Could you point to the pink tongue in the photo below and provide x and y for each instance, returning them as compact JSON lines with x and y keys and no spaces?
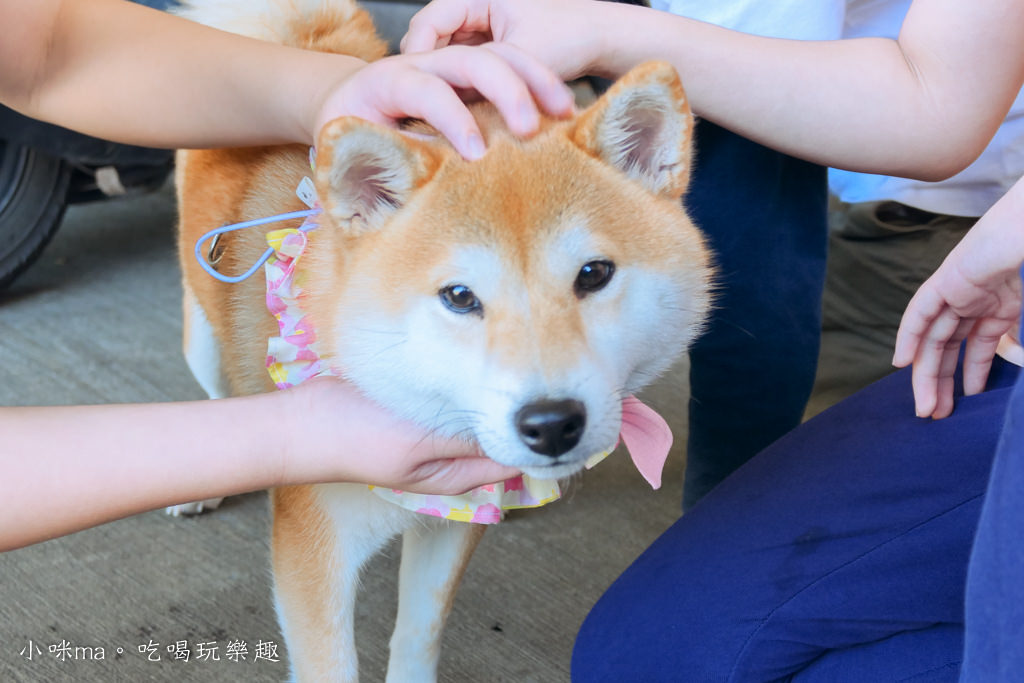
{"x":647,"y":437}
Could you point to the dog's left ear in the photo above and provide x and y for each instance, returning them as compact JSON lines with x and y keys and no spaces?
{"x":365,"y":172}
{"x":643,"y":127}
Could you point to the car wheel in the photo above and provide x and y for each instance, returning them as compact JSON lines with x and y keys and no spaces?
{"x":33,"y":194}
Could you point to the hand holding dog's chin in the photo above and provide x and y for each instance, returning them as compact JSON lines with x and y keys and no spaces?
{"x":332,"y":433}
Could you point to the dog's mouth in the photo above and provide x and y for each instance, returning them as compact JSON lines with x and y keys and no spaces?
{"x":572,"y":462}
{"x":555,"y":470}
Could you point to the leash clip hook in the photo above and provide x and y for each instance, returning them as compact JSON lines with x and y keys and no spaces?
{"x":234,"y":279}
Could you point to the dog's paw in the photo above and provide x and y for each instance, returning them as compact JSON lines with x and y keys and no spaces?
{"x":195,"y":508}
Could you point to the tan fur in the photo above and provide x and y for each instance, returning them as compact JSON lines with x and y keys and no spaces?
{"x":604,"y":185}
{"x":302,"y":545}
{"x":217,"y":187}
{"x":332,"y":32}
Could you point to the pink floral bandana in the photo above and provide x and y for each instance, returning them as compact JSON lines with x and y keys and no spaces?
{"x":292,"y":358}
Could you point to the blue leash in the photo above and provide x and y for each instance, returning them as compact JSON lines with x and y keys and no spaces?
{"x":307,"y":226}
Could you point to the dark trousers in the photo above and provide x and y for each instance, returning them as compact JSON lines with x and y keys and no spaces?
{"x":752,"y":372}
{"x":994,"y":648}
{"x":840,"y":553}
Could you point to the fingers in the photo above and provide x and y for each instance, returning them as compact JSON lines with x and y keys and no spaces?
{"x":506,"y":76}
{"x":944,"y":383}
{"x":980,"y":349}
{"x":491,"y":76}
{"x":427,"y":86}
{"x":554,"y":96}
{"x":427,"y":96}
{"x":922,"y":310}
{"x":929,"y":336}
{"x":449,"y":466}
{"x":458,"y":475}
{"x":935,"y":362}
{"x":424,"y":87}
{"x":436,"y":24}
{"x":978,"y":357}
{"x":935,"y":324}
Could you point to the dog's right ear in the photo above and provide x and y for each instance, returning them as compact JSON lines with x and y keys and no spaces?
{"x":365,"y":172}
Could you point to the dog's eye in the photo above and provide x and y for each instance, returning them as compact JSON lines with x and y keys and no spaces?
{"x":460,"y":299}
{"x":593,"y":276}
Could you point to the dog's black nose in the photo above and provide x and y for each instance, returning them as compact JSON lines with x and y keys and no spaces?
{"x":551,"y":427}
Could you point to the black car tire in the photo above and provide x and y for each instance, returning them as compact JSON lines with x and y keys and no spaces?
{"x":33,"y":194}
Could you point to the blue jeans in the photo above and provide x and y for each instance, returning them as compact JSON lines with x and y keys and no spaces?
{"x":752,"y":372}
{"x":839,"y":553}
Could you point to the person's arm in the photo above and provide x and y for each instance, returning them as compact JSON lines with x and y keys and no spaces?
{"x":974,"y":295}
{"x":128,"y":73}
{"x":70,"y":468}
{"x":923,"y":106}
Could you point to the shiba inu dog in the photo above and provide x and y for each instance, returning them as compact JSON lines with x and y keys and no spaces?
{"x":519,"y":299}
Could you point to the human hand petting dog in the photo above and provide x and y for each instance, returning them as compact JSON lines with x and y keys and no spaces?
{"x":256,"y":92}
{"x":974,"y":295}
{"x":543,"y":28}
{"x":790,"y":95}
{"x":428,"y":86}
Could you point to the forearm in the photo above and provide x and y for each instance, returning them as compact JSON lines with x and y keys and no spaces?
{"x":69,"y":468}
{"x":997,"y":239}
{"x":924,"y":106}
{"x":124,"y":72}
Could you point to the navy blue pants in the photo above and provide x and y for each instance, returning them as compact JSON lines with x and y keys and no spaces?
{"x":752,"y":372}
{"x":839,"y":553}
{"x":994,"y":648}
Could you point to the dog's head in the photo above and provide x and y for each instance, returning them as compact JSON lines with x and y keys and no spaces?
{"x":519,"y":298}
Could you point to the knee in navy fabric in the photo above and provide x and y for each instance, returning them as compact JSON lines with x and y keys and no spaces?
{"x":928,"y":655}
{"x":853,"y":529}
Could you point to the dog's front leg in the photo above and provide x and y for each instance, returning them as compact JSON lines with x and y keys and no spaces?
{"x":434,"y":555}
{"x":322,"y":537}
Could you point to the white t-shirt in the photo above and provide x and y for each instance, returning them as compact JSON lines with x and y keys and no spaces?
{"x":969,"y":193}
{"x":794,"y":19}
